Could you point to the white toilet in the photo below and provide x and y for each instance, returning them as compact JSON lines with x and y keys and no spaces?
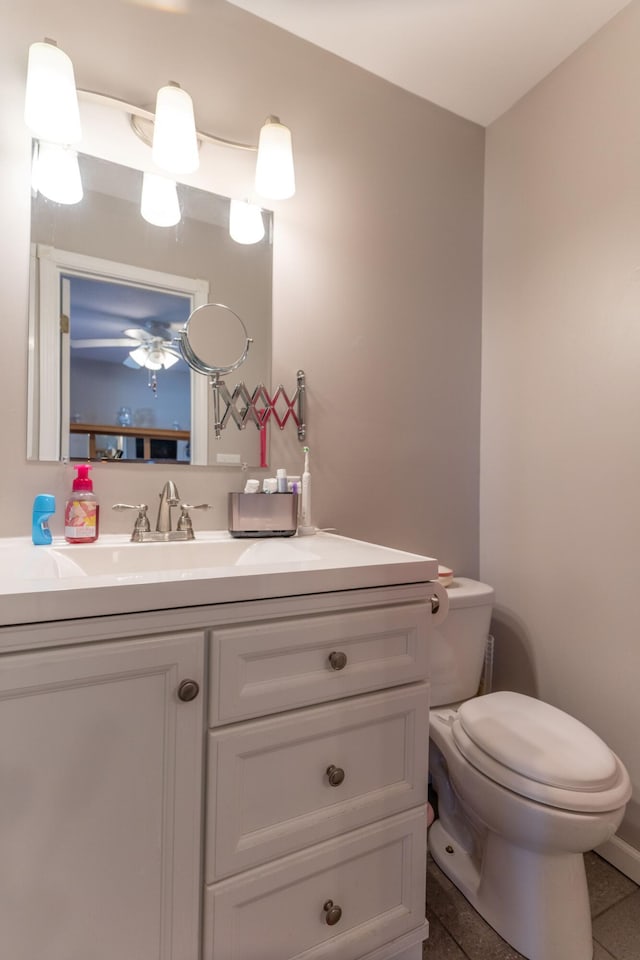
{"x":523,"y":791}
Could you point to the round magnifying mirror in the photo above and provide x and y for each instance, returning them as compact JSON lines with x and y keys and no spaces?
{"x":214,"y":339}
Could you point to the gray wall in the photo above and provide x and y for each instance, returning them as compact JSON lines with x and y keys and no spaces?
{"x":560,"y":523}
{"x":377,"y":267}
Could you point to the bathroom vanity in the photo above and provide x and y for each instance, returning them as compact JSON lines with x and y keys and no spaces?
{"x":222,"y":756}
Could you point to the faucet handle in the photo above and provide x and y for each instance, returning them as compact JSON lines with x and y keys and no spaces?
{"x":184,"y":523}
{"x":142,"y":524}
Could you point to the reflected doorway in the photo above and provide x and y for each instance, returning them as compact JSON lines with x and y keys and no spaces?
{"x":129,"y":387}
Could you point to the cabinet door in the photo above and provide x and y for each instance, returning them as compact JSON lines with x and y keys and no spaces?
{"x":100,"y":801}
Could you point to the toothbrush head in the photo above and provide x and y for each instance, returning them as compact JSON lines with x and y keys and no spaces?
{"x":306,"y":450}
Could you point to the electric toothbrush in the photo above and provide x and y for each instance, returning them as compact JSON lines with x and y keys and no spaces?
{"x":305,"y":527}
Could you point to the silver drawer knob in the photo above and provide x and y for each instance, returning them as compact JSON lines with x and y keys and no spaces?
{"x":188,"y":690}
{"x":335,"y":775}
{"x":337,"y":660}
{"x":333,"y":913}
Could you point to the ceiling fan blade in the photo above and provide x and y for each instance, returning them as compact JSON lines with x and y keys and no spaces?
{"x":88,"y":344}
{"x":137,"y":333}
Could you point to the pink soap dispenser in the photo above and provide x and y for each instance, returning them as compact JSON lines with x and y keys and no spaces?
{"x":81,"y":511}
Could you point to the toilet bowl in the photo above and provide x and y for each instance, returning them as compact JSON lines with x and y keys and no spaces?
{"x":523,"y":791}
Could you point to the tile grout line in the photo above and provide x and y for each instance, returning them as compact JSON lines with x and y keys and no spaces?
{"x":612,"y":906}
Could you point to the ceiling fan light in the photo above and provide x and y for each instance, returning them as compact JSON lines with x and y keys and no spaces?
{"x":51,"y":109}
{"x":275,"y":176}
{"x":155,"y":358}
{"x":139,"y":355}
{"x":56,"y":173}
{"x":159,"y":201}
{"x":245,"y":222}
{"x":175,"y":142}
{"x":169,"y":359}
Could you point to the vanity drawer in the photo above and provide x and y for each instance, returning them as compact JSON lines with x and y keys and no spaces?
{"x":270,"y":784}
{"x":263,"y":668}
{"x":376,"y":876}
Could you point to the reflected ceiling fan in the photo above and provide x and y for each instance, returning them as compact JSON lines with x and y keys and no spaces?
{"x":152,"y":346}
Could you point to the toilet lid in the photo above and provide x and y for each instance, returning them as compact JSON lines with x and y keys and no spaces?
{"x":509,"y":733}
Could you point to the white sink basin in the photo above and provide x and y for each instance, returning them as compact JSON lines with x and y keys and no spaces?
{"x":20,"y":560}
{"x":121,"y":559}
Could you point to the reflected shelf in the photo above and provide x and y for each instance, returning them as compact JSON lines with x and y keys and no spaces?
{"x":144,"y":434}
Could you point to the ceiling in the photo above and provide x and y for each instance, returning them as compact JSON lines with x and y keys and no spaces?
{"x":473,"y":57}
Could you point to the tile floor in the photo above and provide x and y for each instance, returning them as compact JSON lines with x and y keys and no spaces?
{"x":457,"y":932}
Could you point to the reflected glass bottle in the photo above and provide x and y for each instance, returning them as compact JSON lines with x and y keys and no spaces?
{"x":123,"y":417}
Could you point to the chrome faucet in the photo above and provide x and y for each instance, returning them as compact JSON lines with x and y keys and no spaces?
{"x":168,"y":498}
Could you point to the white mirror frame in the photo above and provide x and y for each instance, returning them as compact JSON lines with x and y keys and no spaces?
{"x":45,"y":419}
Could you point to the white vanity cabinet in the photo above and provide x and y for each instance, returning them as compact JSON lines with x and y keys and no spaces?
{"x":279,"y":814}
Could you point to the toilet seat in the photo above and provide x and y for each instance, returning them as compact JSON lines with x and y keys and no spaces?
{"x":540,"y":752}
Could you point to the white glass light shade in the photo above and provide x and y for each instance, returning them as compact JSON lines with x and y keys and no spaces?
{"x":245,"y":222}
{"x":139,"y":355}
{"x":168,"y":359}
{"x":147,"y":356}
{"x":152,"y":357}
{"x":159,"y":201}
{"x":155,"y":358}
{"x":51,"y":104}
{"x":175,"y":143}
{"x":56,"y":173}
{"x":275,"y":177}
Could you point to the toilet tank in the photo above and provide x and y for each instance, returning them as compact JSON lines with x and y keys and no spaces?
{"x":458,"y":644}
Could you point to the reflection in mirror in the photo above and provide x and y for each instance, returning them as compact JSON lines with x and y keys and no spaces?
{"x":139,"y":363}
{"x":123,"y":289}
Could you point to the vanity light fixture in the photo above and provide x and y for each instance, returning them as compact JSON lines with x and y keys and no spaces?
{"x":175,"y":143}
{"x":52,"y":115}
{"x":159,"y":200}
{"x":55,"y":172}
{"x":275,"y":176}
{"x":245,"y":222}
{"x":51,"y":102}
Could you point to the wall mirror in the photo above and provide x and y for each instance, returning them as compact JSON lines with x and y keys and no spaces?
{"x":108,"y":294}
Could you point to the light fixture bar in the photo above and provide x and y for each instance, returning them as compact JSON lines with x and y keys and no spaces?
{"x":142,"y":121}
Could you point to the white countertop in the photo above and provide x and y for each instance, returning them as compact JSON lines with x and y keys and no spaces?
{"x":114,"y":576}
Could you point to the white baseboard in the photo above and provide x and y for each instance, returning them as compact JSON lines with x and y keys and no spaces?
{"x":623,"y":856}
